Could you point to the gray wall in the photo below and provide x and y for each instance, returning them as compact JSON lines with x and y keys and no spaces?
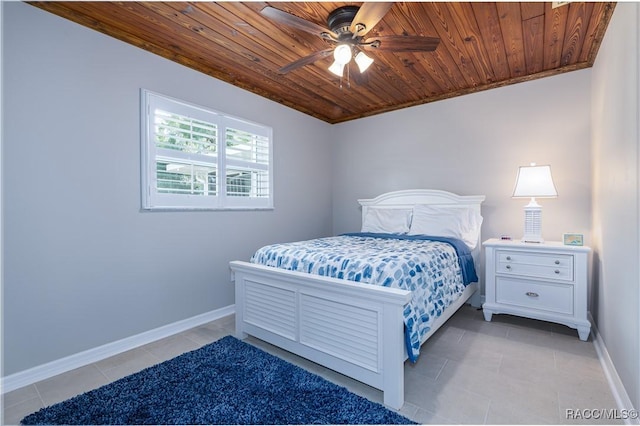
{"x":473,"y":145}
{"x":83,"y":266}
{"x":616,"y":116}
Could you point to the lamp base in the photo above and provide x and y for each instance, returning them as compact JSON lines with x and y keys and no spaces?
{"x":532,"y":223}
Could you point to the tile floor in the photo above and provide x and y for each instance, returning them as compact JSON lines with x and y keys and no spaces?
{"x":509,"y":371}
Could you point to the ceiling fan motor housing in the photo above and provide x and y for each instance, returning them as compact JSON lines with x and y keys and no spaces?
{"x":340,"y":20}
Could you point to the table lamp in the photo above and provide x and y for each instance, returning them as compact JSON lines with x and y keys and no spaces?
{"x":535,"y":182}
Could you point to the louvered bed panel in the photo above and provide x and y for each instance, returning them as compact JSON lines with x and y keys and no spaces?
{"x":344,"y":331}
{"x":271,"y":308}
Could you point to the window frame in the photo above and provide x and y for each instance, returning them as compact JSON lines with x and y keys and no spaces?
{"x":152,"y":199}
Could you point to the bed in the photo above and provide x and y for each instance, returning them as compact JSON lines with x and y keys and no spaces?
{"x":362,"y":330}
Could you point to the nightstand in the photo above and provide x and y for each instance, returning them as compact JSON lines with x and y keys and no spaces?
{"x":545,"y":281}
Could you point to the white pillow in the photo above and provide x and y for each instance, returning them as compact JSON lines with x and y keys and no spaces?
{"x":386,"y":220}
{"x":440,"y":221}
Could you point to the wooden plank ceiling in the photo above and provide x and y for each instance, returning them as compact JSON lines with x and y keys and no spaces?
{"x":483,"y":45}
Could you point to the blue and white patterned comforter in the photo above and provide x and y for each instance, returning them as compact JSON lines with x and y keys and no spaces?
{"x":429,"y":269}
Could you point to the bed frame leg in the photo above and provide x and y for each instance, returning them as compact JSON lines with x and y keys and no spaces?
{"x":239,"y":286}
{"x":393,"y":358}
{"x":239,"y":334}
{"x":394,"y":399}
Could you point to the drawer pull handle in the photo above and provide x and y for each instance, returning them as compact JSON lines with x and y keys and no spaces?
{"x":532,"y":294}
{"x":508,"y":257}
{"x":508,"y":267}
{"x":557,"y":271}
{"x":557,"y":262}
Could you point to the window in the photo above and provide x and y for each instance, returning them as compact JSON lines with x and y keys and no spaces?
{"x":196,"y":158}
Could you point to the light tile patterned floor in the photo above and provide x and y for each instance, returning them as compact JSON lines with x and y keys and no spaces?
{"x":508,"y":371}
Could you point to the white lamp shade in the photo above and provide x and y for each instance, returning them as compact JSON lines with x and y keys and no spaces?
{"x":363,"y":61}
{"x":337,"y":68}
{"x":342,"y":54}
{"x":534,"y":181}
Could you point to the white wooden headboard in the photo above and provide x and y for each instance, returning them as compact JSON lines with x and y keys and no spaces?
{"x":410,"y":197}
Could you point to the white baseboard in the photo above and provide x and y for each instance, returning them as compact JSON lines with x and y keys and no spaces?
{"x":53,"y":368}
{"x":617,"y":388}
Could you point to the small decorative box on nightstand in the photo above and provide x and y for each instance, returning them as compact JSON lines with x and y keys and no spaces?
{"x":545,"y":281}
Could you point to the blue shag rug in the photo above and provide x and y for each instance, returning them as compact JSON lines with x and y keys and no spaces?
{"x":225,"y":382}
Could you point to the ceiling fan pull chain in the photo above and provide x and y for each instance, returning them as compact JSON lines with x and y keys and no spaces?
{"x":348,"y":77}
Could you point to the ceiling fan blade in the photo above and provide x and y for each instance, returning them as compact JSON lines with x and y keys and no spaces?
{"x":402,"y":43}
{"x":368,"y":17}
{"x":295,"y":22}
{"x":305,"y":61}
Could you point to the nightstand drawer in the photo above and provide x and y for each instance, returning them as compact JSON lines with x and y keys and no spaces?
{"x":539,"y":265}
{"x":536,"y":295}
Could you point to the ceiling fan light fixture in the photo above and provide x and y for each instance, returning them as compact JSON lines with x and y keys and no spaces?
{"x":363,"y":61}
{"x":342,"y":54}
{"x":337,"y":68}
{"x":347,"y":27}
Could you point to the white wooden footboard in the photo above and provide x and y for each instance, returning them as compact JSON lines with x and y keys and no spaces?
{"x":355,"y":329}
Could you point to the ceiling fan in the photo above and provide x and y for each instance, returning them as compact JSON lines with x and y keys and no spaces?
{"x":348,"y":26}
